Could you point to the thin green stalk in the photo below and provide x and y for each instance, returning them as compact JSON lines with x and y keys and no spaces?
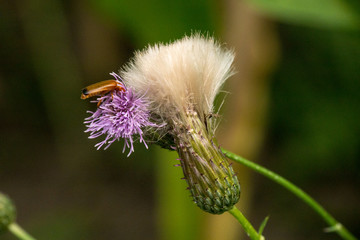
{"x":335,"y":226}
{"x":15,"y":229}
{"x":249,"y":229}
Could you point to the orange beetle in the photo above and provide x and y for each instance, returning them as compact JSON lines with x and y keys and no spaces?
{"x":101,"y":88}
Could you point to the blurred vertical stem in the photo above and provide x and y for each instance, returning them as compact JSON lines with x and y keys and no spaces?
{"x":177,"y":218}
{"x":254,"y":40}
{"x":20,"y":233}
{"x":48,"y":36}
{"x":335,"y":226}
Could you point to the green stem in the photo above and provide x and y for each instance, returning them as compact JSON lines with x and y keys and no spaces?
{"x":335,"y":226}
{"x":19,"y":232}
{"x":249,"y":229}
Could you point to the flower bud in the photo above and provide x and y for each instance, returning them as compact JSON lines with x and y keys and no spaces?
{"x":211,"y":179}
{"x":7,"y":212}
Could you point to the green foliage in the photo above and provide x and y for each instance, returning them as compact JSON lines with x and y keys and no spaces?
{"x":149,"y":21}
{"x":315,"y":106}
{"x":320,"y":13}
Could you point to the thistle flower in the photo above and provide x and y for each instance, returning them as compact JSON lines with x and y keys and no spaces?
{"x":7,"y":212}
{"x":179,"y":82}
{"x":121,"y":114}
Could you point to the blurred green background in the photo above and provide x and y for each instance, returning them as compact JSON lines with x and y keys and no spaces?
{"x":293,"y":106}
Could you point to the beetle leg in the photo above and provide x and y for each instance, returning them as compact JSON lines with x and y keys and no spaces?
{"x":99,"y":102}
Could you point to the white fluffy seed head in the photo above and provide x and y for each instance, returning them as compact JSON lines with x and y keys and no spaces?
{"x":187,"y":73}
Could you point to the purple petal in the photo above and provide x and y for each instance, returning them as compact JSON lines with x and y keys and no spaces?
{"x":120,"y":115}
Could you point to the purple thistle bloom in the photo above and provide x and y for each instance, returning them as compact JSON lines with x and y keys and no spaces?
{"x":120,"y":115}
